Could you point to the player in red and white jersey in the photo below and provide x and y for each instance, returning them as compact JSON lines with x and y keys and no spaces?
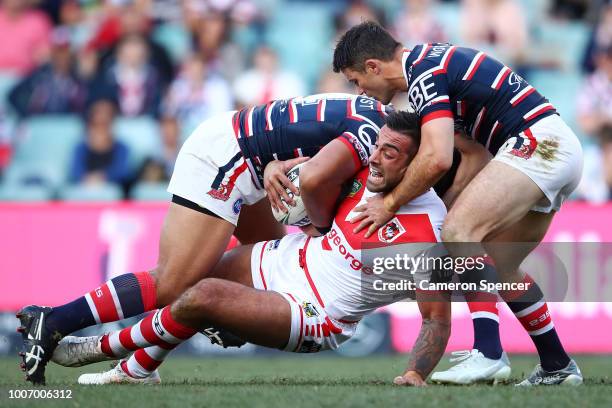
{"x":300,"y":293}
{"x":218,"y":190}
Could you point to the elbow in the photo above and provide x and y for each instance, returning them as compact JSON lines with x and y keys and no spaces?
{"x":309,"y":180}
{"x":440,"y":163}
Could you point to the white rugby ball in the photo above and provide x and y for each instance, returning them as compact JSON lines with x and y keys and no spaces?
{"x":295,"y":215}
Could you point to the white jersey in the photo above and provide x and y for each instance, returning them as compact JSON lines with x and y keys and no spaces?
{"x":337,"y":263}
{"x":325,"y":279}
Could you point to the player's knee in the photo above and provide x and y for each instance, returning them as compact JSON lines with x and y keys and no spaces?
{"x":167,"y":289}
{"x":203,"y":296}
{"x":454,"y":230}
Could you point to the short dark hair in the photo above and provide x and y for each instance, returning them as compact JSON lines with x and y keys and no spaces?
{"x":405,"y":123}
{"x":364,"y":41}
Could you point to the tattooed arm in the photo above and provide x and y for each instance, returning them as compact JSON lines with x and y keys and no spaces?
{"x":431,"y":343}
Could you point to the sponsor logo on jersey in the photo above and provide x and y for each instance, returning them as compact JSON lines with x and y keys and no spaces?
{"x":309,"y":309}
{"x":355,"y":188}
{"x":222,"y":193}
{"x":273,"y":245}
{"x":391,"y":231}
{"x":237,"y":206}
{"x":521,"y":147}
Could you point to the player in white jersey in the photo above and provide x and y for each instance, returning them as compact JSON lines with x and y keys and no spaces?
{"x":301,"y":293}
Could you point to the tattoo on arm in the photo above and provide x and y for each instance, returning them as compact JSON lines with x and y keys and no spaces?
{"x":429,"y":346}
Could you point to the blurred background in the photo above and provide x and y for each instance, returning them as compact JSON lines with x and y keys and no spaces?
{"x":97,"y":96}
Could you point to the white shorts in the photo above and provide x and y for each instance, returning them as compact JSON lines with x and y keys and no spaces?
{"x":550,"y":154}
{"x":275,"y":266}
{"x":211,"y":171}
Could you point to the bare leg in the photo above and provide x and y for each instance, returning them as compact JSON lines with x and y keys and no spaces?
{"x":190,"y":246}
{"x":256,"y":224}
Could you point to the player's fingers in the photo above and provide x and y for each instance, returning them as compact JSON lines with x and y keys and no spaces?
{"x":399,"y":380}
{"x":358,"y":217}
{"x":281,"y":193}
{"x":371,"y":230}
{"x":362,"y":225}
{"x":274,"y":197}
{"x":360,"y":208}
{"x":289,"y":164}
{"x":284,"y":180}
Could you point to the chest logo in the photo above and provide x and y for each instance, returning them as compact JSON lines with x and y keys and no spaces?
{"x":391,"y":231}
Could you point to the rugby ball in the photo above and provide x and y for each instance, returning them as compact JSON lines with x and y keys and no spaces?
{"x":295,"y":215}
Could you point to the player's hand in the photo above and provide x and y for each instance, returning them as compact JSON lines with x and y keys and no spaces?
{"x":410,"y":379}
{"x":373,"y":214}
{"x":276,"y":182}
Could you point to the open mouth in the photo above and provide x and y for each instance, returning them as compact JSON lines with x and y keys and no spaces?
{"x":375,"y":175}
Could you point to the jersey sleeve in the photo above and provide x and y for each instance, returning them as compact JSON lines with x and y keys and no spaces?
{"x":358,"y":150}
{"x":429,"y":94}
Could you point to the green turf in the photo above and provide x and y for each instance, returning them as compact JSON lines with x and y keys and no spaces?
{"x":308,"y":381}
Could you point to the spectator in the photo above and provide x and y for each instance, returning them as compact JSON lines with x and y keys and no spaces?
{"x":25,"y":37}
{"x":605,"y":140}
{"x":159,"y":168}
{"x":53,"y":87}
{"x":417,"y":24}
{"x":355,"y":12}
{"x":265,"y":81}
{"x":124,"y":20}
{"x":130,"y":81}
{"x":211,"y":42}
{"x":496,"y":24}
{"x":197,"y":94}
{"x":601,"y":37}
{"x":100,"y":158}
{"x":595,"y":98}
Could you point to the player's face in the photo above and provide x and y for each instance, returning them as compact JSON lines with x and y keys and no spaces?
{"x":389,"y":160}
{"x":370,"y":82}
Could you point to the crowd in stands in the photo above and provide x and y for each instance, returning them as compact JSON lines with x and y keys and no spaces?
{"x":122,"y":83}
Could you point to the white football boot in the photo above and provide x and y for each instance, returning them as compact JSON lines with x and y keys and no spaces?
{"x":116,"y":375}
{"x":73,"y":351}
{"x":474,"y":367}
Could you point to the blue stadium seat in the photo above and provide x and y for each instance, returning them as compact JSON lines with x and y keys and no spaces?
{"x":102,"y":192}
{"x":7,"y":82}
{"x":150,"y":192}
{"x":24,"y":193}
{"x":35,"y":173}
{"x":447,"y":15}
{"x":560,"y":88}
{"x":141,"y":135}
{"x":47,"y":146}
{"x":175,"y":39}
{"x":565,"y":41}
{"x":304,"y":50}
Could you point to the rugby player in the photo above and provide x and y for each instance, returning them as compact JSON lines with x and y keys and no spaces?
{"x":219,"y":169}
{"x":299,"y":293}
{"x":537,"y":161}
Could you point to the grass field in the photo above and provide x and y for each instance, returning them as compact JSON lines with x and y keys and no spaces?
{"x":308,"y":381}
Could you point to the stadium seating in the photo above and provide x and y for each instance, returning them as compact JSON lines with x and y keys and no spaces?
{"x":175,"y":39}
{"x":16,"y":192}
{"x":561,"y":89}
{"x":150,"y":192}
{"x":102,"y":192}
{"x":141,"y":135}
{"x":7,"y":82}
{"x":303,"y":51}
{"x":44,"y":150}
